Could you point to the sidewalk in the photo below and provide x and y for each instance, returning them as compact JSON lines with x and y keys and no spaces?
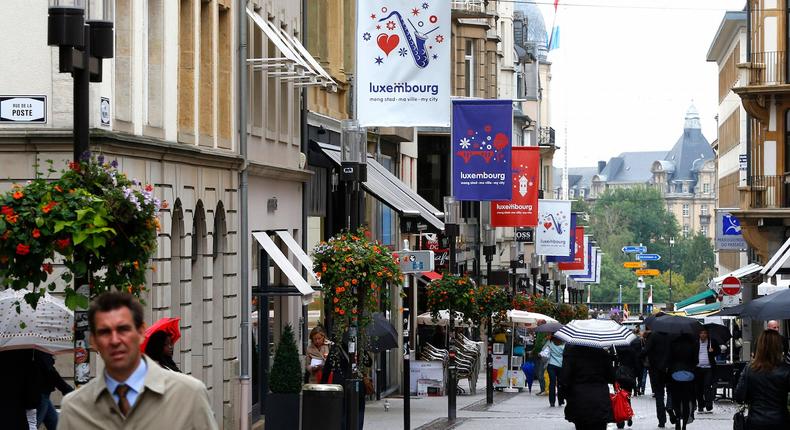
{"x":516,"y":411}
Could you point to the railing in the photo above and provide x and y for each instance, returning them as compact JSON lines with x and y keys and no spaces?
{"x":768,"y":68}
{"x":478,"y":6}
{"x":546,"y":136}
{"x":767,"y":192}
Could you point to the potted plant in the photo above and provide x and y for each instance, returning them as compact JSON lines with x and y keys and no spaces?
{"x":453,"y":293}
{"x":282,"y":404}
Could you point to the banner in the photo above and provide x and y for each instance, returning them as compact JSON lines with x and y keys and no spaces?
{"x":571,"y":245}
{"x":586,"y":260}
{"x":728,"y":232}
{"x":579,"y":252}
{"x":553,"y":232}
{"x":589,"y":270}
{"x":403,"y":63}
{"x":522,"y":209}
{"x":481,"y":149}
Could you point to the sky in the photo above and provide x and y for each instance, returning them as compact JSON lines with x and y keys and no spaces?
{"x":627,"y":71}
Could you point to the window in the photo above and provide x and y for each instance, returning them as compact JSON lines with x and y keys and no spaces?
{"x":685,"y":229}
{"x":703,"y":210}
{"x":706,"y":188}
{"x":469,"y":68}
{"x":704,"y":230}
{"x":685,"y":209}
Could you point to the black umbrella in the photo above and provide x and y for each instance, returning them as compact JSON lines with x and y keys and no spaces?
{"x":648,"y":322}
{"x":718,"y":333}
{"x":549,"y":327}
{"x":673,"y":324}
{"x":774,"y":306}
{"x":732,"y":311}
{"x":382,"y":333}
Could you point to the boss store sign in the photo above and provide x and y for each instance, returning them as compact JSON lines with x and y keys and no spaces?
{"x":23,"y":109}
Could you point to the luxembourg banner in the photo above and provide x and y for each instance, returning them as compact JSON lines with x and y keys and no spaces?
{"x":586,"y":260}
{"x":403,"y":63}
{"x":588,"y":271}
{"x":571,"y":245}
{"x":522,"y":210}
{"x":579,"y":252}
{"x":553,"y":232}
{"x":481,"y":149}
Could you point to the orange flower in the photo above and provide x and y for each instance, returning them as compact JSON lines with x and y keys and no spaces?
{"x":354,"y":282}
{"x":136,"y":264}
{"x":48,"y":207}
{"x":58,"y":189}
{"x":345,"y":283}
{"x":335,"y":300}
{"x":36,"y":233}
{"x":3,"y":259}
{"x":12,"y":219}
{"x":18,"y":195}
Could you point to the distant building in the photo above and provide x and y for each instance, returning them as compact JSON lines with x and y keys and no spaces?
{"x":685,"y":175}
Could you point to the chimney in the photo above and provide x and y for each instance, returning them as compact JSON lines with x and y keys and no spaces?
{"x":601,"y":166}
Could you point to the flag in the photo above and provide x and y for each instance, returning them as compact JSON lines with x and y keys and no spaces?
{"x":554,"y":40}
{"x":555,"y":5}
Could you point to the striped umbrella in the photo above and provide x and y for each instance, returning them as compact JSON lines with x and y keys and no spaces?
{"x":595,"y":333}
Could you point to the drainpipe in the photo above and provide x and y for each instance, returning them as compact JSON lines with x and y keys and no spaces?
{"x":305,"y":197}
{"x":244,"y":246}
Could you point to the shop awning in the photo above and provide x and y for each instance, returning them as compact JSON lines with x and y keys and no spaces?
{"x":694,"y":299}
{"x":703,"y":309}
{"x":285,"y":265}
{"x":431,"y":276}
{"x":780,"y":260}
{"x":391,"y":191}
{"x":296,"y":64}
{"x":300,"y":255}
{"x":739,"y":273}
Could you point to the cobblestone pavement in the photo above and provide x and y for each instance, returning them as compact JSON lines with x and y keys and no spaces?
{"x":516,"y":411}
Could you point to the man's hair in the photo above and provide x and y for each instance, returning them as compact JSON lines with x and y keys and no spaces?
{"x":768,"y":353}
{"x":111,"y":301}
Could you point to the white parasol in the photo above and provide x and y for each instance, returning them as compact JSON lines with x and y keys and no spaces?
{"x":443,"y":320}
{"x":529,"y":320}
{"x":48,"y":328}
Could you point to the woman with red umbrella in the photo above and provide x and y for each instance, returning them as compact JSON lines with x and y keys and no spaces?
{"x":159,"y":340}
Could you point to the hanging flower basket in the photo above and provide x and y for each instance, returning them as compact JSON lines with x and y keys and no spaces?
{"x":97,"y":223}
{"x":454,"y":293}
{"x":489,"y":300}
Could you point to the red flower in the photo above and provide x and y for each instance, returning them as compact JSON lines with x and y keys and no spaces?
{"x":149,"y":188}
{"x":23,"y":249}
{"x":18,"y":195}
{"x":47,"y":268}
{"x":48,"y":207}
{"x":74,"y":166}
{"x":62,"y":244}
{"x":36,"y":233}
{"x":5,"y":210}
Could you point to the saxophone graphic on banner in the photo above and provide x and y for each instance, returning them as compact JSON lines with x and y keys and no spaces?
{"x":403,"y":63}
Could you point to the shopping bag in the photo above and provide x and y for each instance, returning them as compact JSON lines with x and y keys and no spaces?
{"x":621,"y":406}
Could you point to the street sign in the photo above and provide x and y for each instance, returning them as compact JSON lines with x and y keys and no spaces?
{"x":634,"y":249}
{"x":731,"y":286}
{"x":416,"y":261}
{"x":648,"y":257}
{"x":525,"y":235}
{"x":634,"y":264}
{"x":647,"y":272}
{"x":23,"y":109}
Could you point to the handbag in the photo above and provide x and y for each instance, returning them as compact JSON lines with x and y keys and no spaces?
{"x":545,"y":352}
{"x":621,"y":405}
{"x":740,"y":417}
{"x":682,"y":376}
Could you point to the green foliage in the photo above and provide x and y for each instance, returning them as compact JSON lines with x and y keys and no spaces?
{"x":454,"y":293}
{"x":286,"y":373}
{"x":100,"y":224}
{"x":488,"y":300}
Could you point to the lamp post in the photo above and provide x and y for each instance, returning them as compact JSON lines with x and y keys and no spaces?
{"x":560,"y":295}
{"x":82,"y":45}
{"x":513,"y":267}
{"x":353,"y":162}
{"x":544,"y":278}
{"x":452,"y":217}
{"x":640,"y":283}
{"x":489,"y":248}
{"x":534,"y":270}
{"x":671,"y":244}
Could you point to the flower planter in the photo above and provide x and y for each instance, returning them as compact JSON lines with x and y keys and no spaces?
{"x":282,"y":411}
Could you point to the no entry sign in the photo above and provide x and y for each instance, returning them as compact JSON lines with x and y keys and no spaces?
{"x":731,"y":286}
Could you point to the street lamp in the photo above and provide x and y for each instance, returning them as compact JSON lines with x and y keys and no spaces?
{"x":452,"y":217}
{"x":82,"y":45}
{"x":534,"y":270}
{"x":560,"y":295}
{"x":671,"y":244}
{"x":513,"y":266}
{"x":353,"y":165}
{"x":489,"y":248}
{"x":544,"y":278}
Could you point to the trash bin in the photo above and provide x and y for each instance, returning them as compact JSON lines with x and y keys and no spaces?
{"x":322,"y":406}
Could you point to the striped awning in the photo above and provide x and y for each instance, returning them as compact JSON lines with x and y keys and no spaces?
{"x":595,"y":333}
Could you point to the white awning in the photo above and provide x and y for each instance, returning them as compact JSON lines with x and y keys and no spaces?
{"x":767,"y":288}
{"x":300,"y":255}
{"x":778,"y":261}
{"x":715,"y":283}
{"x":296,"y":64}
{"x":285,"y":265}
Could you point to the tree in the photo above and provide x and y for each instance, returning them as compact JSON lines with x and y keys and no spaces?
{"x":695,"y":256}
{"x":286,"y":370}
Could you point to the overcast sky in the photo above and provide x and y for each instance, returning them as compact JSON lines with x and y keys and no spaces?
{"x":628,"y":70}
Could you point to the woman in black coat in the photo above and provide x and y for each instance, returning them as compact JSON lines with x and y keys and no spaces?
{"x":585,"y":377}
{"x":764,"y":385}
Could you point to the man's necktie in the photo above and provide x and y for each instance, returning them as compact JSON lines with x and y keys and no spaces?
{"x":123,"y":402}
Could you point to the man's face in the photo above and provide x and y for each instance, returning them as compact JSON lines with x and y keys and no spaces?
{"x":773,"y":325}
{"x":118,"y":341}
{"x":703,"y":335}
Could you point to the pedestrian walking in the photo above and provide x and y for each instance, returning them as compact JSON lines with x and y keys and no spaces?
{"x":160,"y":349}
{"x":556,"y":349}
{"x":133,"y":391}
{"x":529,"y":369}
{"x":585,"y":377}
{"x":703,"y":374}
{"x":19,"y":396}
{"x":48,"y":380}
{"x":683,"y":360}
{"x":774,"y":325}
{"x":541,"y":360}
{"x":764,"y":385}
{"x":657,"y":353}
{"x":644,"y":364}
{"x":626,"y":365}
{"x":317,"y":353}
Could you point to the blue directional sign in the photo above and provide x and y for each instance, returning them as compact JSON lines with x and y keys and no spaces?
{"x":633,"y":249}
{"x":648,"y":257}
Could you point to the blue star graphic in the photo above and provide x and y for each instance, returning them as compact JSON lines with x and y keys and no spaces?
{"x":435,"y":56}
{"x":366,"y":36}
{"x":425,"y":5}
{"x":379,"y":60}
{"x":402,"y":52}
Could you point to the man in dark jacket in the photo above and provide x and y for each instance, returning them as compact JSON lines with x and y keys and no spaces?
{"x":49,"y":379}
{"x":703,"y":374}
{"x":657,"y":351}
{"x":19,"y":396}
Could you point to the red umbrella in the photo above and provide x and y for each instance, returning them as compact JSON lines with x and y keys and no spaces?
{"x":167,"y":325}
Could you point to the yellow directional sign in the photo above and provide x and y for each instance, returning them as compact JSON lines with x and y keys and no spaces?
{"x":634,"y":264}
{"x":647,"y":272}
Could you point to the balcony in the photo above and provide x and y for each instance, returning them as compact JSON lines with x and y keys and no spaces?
{"x":768,"y":68}
{"x":767,"y":192}
{"x":546,"y":137}
{"x":470,"y":8}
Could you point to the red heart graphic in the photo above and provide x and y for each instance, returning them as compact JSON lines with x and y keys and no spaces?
{"x":387,"y":43}
{"x":547,"y":225}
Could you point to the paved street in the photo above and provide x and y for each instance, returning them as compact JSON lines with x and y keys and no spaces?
{"x":515,"y":411}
